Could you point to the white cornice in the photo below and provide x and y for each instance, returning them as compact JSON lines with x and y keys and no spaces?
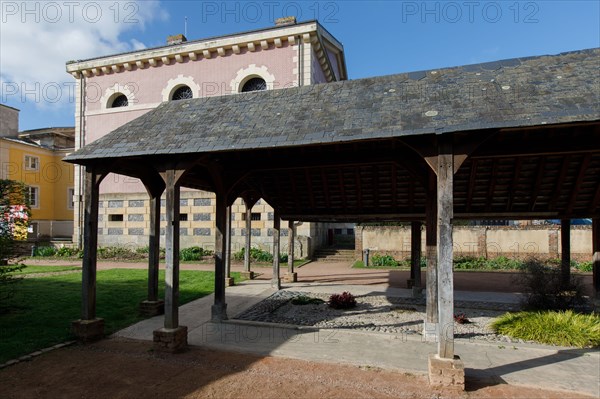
{"x":198,"y":50}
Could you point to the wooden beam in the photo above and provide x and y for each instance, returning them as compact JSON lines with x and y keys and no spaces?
{"x":565,"y":253}
{"x":155,"y":187}
{"x":172,"y":248}
{"x":292,"y":180}
{"x":595,"y":202}
{"x":325,"y":188}
{"x":375,"y":171}
{"x":580,"y":176}
{"x":228,"y":244}
{"x":342,"y":188}
{"x":415,"y":253}
{"x":248,"y":237}
{"x":311,"y":197}
{"x":492,"y":188}
{"x":154,"y":246}
{"x":394,"y":186}
{"x":513,"y":185}
{"x":358,"y":188}
{"x":472,"y":178}
{"x":431,"y":320}
{"x":596,"y":256}
{"x":219,"y":308}
{"x":275,"y":280}
{"x":559,"y":182}
{"x":445,"y":183}
{"x":538,"y":183}
{"x":291,"y":235}
{"x":90,"y":239}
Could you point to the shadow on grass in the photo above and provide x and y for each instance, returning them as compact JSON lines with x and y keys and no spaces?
{"x":44,"y":307}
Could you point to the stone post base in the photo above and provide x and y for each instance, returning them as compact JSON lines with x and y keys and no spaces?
{"x":152,"y":308}
{"x":171,"y":340}
{"x":290,"y":278}
{"x":229,"y":282}
{"x":276,"y":283}
{"x":448,"y":373}
{"x":88,"y":330}
{"x":218,"y":313}
{"x":248,"y":275}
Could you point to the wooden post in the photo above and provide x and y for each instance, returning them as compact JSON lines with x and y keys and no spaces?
{"x":291,"y":247}
{"x":431,"y":320}
{"x":153,"y":306}
{"x":228,"y":278}
{"x":445,"y":180}
{"x":89,"y":327}
{"x":415,"y":255}
{"x":154,"y":246}
{"x":275,"y":281}
{"x":291,"y":276}
{"x":172,"y":250}
{"x":596,"y":257}
{"x":565,"y":253}
{"x":90,"y":248}
{"x":248,"y":235}
{"x":219,"y":309}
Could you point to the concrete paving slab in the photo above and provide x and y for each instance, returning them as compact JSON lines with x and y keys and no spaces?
{"x":194,"y":314}
{"x":539,"y":366}
{"x":523,"y":364}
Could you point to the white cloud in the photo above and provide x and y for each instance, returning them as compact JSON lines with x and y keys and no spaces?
{"x":37,"y":38}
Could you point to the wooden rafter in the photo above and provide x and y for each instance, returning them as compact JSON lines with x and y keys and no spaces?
{"x":538,"y":183}
{"x":580,"y":176}
{"x":512,"y":192}
{"x":472,"y":178}
{"x":560,"y":181}
{"x":490,"y":197}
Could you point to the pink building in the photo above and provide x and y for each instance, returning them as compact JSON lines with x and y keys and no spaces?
{"x":116,"y":89}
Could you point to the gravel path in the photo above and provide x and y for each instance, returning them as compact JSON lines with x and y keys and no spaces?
{"x":376,"y":313}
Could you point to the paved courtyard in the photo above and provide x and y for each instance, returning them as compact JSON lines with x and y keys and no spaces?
{"x":487,"y":365}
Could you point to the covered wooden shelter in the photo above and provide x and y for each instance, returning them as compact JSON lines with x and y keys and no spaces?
{"x":513,"y":139}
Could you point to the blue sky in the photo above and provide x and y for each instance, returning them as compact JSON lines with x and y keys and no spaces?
{"x":379,"y":37}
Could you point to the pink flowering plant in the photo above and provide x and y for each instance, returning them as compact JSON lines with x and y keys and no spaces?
{"x":14,"y":218}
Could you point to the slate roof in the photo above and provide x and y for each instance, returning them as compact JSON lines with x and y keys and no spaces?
{"x":511,"y":93}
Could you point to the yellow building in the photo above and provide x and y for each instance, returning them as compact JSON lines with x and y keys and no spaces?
{"x":35,"y":158}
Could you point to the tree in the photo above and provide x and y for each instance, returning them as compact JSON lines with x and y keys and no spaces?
{"x":14,"y":218}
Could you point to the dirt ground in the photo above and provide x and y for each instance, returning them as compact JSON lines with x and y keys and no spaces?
{"x":116,"y":368}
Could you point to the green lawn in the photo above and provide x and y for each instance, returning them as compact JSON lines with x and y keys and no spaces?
{"x":46,"y":269}
{"x":45,"y":306}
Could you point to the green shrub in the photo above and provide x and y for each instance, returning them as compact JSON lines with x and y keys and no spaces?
{"x":142,"y":250}
{"x":481,"y":263}
{"x":545,"y":290}
{"x":67,"y":252}
{"x":555,"y":328}
{"x":584,"y":266}
{"x":122,"y":253}
{"x":259,"y":255}
{"x":44,"y":251}
{"x":383,"y":260}
{"x":345,"y":300}
{"x":193,"y":253}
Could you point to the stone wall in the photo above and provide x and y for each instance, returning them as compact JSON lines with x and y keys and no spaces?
{"x":124,"y":220}
{"x":487,"y":241}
